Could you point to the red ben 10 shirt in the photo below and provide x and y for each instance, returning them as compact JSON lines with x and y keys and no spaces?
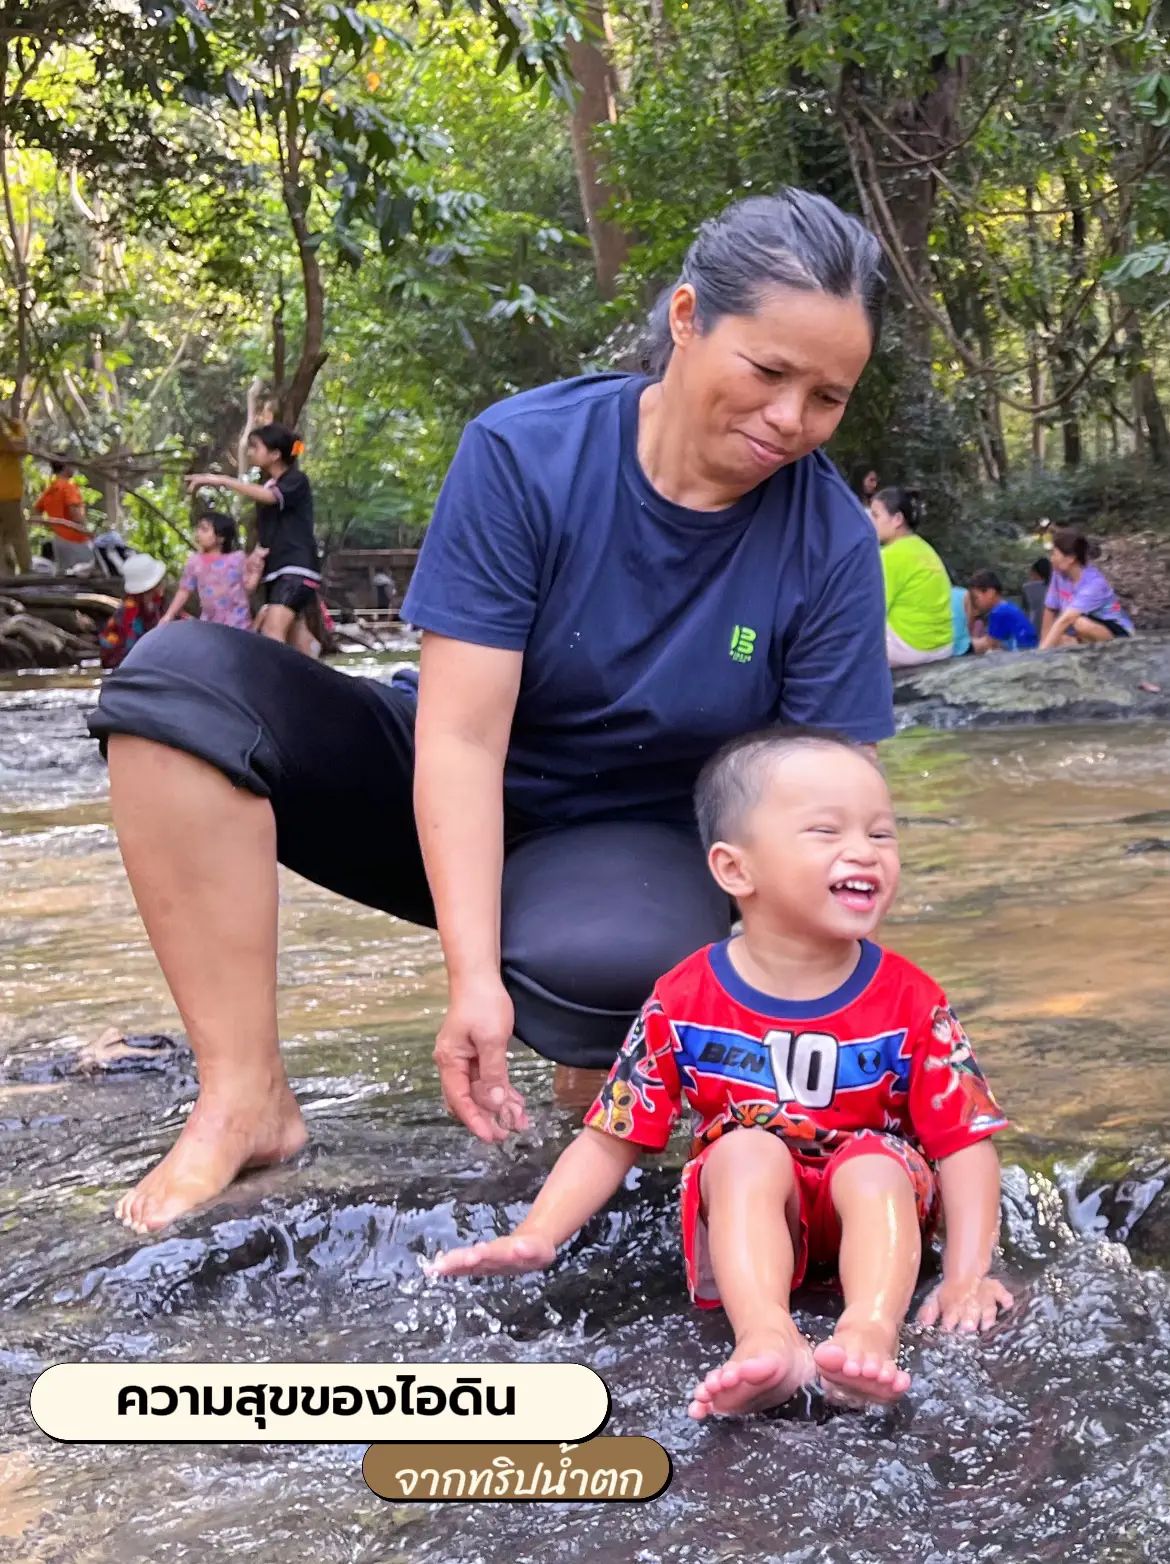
{"x":885,"y":1052}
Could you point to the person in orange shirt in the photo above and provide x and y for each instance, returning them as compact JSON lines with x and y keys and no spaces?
{"x":13,"y":526}
{"x":62,"y":505}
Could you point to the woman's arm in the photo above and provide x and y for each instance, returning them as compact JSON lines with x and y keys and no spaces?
{"x":178,"y":602}
{"x":256,"y":492}
{"x":586,"y":1177}
{"x":1054,"y":632}
{"x":967,"y":1298}
{"x":466,"y":701}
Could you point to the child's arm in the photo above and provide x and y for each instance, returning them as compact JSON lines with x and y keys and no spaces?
{"x":968,"y":1298}
{"x":176,"y":607}
{"x":586,"y":1177}
{"x":254,"y":569}
{"x":257,"y":492}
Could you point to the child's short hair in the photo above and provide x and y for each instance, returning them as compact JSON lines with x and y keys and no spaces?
{"x":732,"y":782}
{"x":986,"y":581}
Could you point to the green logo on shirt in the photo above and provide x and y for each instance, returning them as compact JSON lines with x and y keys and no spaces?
{"x":743,"y":644}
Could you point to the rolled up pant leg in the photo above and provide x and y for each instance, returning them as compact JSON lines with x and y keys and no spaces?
{"x":333,"y":755}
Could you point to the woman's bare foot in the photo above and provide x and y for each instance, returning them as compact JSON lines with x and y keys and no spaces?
{"x":215,"y":1146}
{"x":858,"y":1364}
{"x":765,"y":1370}
{"x":510,"y":1256}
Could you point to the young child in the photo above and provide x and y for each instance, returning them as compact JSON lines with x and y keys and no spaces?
{"x":220,"y":574}
{"x":836,"y":1105}
{"x":1008,"y":627}
{"x":140,"y":611}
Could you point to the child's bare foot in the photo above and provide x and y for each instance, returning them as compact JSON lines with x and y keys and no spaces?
{"x":216,"y":1144}
{"x":858,"y":1364}
{"x":508,"y":1256}
{"x":766,"y":1369}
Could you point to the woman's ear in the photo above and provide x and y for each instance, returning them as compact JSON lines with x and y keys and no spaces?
{"x":682,"y":314}
{"x":729,"y":869}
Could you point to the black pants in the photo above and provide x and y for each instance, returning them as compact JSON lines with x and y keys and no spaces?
{"x":592,"y":914}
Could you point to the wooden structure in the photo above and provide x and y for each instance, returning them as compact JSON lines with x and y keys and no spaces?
{"x":349,"y":579}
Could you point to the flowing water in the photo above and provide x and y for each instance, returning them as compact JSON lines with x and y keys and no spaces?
{"x":1037,"y":887}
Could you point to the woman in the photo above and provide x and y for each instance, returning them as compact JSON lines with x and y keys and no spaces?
{"x":622,"y":572}
{"x":286,"y":545}
{"x":1081,"y":607}
{"x":919,"y":626}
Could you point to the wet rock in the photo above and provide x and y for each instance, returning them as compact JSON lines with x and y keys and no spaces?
{"x":113,"y":1053}
{"x":1123,"y":681}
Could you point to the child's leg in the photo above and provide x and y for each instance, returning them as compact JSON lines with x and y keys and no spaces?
{"x":881,"y":1249}
{"x":277,"y":622}
{"x":751,"y":1205}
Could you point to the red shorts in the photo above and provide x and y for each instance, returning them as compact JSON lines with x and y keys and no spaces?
{"x":820,"y":1230}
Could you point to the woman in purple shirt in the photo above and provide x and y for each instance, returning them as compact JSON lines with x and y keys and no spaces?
{"x":1081,"y":606}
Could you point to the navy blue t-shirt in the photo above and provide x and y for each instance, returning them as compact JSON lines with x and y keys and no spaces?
{"x":651,"y":633}
{"x":1011,"y":627}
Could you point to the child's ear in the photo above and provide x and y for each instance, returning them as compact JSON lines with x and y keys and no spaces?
{"x":727,"y":865}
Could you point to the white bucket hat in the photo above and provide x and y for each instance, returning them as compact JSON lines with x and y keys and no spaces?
{"x":142,"y":573}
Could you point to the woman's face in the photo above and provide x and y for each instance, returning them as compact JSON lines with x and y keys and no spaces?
{"x":764,"y":390}
{"x":886,"y":526}
{"x":869,"y":484}
{"x":1062,"y":562}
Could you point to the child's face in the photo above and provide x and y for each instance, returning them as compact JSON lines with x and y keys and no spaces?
{"x":205,"y":537}
{"x":982,"y":599}
{"x":819,"y":855}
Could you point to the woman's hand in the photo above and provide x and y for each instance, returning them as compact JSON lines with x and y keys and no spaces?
{"x":203,"y":480}
{"x":471,"y":1052}
{"x":965,"y":1304}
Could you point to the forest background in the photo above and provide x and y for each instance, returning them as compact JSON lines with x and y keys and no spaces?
{"x":379,"y":218}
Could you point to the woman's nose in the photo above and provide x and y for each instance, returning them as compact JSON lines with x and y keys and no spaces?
{"x":785,"y":412}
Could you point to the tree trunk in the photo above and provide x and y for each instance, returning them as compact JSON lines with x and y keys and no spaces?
{"x":1064,"y":359}
{"x":18,"y":246}
{"x":291,"y":399}
{"x":1147,"y":408}
{"x":923,"y":127}
{"x":596,"y":105}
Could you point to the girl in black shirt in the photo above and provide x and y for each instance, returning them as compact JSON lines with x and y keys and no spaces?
{"x":284,"y":532}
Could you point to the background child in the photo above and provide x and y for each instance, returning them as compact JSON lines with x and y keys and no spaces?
{"x":822,"y":1073}
{"x":220,"y":574}
{"x":1008,"y":627}
{"x":141,"y":609}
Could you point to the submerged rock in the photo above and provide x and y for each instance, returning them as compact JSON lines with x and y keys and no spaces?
{"x":1121,"y":681}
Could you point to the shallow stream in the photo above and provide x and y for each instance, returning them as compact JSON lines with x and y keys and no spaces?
{"x":1037,"y":888}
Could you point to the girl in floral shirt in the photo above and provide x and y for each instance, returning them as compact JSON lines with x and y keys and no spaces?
{"x":220,"y":574}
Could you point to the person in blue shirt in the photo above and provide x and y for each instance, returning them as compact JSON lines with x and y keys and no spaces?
{"x":1009,"y":628}
{"x":623,"y":571}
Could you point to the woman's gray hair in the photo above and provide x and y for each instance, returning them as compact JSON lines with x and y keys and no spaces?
{"x":790,"y":240}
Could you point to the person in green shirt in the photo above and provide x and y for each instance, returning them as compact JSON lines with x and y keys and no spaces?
{"x":919,"y":628}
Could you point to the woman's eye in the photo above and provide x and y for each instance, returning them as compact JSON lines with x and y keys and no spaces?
{"x":831,"y":401}
{"x":768,"y":374}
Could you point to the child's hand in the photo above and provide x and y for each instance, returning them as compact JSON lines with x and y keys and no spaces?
{"x":965,"y":1305}
{"x":502,"y":1257}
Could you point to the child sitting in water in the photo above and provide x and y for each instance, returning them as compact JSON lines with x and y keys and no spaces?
{"x":836,"y":1104}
